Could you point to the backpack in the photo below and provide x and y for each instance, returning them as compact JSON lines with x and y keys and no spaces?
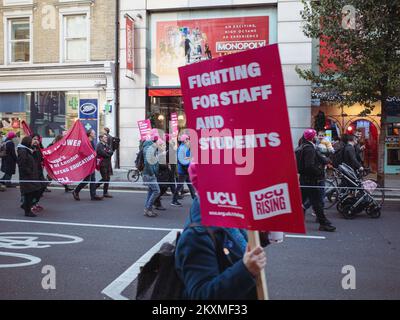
{"x":115,"y":143}
{"x":158,"y":279}
{"x":299,"y":159}
{"x":139,"y":162}
{"x":3,"y":149}
{"x":338,"y":157}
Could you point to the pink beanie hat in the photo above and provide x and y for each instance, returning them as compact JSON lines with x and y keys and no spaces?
{"x":11,"y":135}
{"x":310,"y":134}
{"x":184,"y":137}
{"x":154,"y":134}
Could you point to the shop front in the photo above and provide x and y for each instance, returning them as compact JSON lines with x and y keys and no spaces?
{"x":181,"y":38}
{"x":49,"y":113}
{"x":346,"y":120}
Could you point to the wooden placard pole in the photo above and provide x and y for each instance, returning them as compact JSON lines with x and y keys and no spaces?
{"x":262,"y":290}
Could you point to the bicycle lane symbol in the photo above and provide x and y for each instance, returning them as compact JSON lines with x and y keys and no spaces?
{"x":30,"y":240}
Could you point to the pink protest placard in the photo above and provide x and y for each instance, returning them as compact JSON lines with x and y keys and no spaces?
{"x":236,"y":106}
{"x":144,"y":129}
{"x":174,"y":124}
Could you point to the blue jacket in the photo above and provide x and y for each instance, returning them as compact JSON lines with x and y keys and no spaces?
{"x":197,"y":265}
{"x":183,"y":164}
{"x":150,"y":153}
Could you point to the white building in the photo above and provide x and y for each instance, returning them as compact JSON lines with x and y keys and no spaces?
{"x":152,"y":89}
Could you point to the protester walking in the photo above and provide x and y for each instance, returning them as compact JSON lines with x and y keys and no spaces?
{"x":184,"y":158}
{"x":9,"y":161}
{"x":91,"y":179}
{"x":165,"y":176}
{"x":311,"y":173}
{"x":38,"y":157}
{"x":30,"y":186}
{"x":104,"y":155}
{"x":150,"y":172}
{"x":216,"y":263}
{"x":349,"y":156}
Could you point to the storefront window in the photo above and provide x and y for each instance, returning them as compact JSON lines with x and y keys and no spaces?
{"x":186,"y":37}
{"x":49,"y":113}
{"x":13,"y":110}
{"x":394,"y":129}
{"x":160,"y":112}
{"x":393,"y":158}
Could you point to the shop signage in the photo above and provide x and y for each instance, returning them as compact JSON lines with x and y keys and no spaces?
{"x":88,"y":109}
{"x":129,"y":43}
{"x":392,"y":139}
{"x":182,"y":42}
{"x":254,"y":181}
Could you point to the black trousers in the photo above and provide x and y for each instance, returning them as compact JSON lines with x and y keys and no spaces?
{"x":313,"y":195}
{"x":29,"y":198}
{"x":84,"y":183}
{"x":105,"y":178}
{"x":182,"y":178}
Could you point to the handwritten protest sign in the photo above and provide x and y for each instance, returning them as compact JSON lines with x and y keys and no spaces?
{"x":144,"y":129}
{"x":72,"y":158}
{"x":236,"y":104}
{"x":174,"y":124}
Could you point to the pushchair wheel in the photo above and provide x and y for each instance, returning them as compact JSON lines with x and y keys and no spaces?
{"x":347,"y":212}
{"x":374,"y":213}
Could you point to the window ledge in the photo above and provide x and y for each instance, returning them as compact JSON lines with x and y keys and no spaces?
{"x":74,"y":3}
{"x":18,"y":7}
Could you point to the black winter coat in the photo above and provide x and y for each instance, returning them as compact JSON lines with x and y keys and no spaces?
{"x":350,"y":157}
{"x":105,"y":152}
{"x":9,"y":162}
{"x":313,"y":165}
{"x":28,"y":171}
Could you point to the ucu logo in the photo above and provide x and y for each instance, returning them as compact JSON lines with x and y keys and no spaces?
{"x":222,"y":198}
{"x":269,"y":195}
{"x":88,"y":108}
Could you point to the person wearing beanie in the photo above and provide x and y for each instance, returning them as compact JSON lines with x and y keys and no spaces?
{"x":184,"y":158}
{"x":216,"y":263}
{"x":9,"y":162}
{"x":30,"y":187}
{"x":311,"y":169}
{"x":150,"y":172}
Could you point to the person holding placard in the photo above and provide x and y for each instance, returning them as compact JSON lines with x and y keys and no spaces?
{"x":216,"y":263}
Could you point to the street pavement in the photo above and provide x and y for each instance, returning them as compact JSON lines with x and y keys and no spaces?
{"x":96,"y":249}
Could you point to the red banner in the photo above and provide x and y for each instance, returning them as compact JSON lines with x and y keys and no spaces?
{"x":144,"y":129}
{"x":129,"y":43}
{"x":72,"y":158}
{"x":247,"y":176}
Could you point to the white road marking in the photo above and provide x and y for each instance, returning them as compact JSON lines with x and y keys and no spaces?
{"x":115,"y":289}
{"x":30,"y":240}
{"x":86,"y":225}
{"x":31,"y":260}
{"x":304,"y":237}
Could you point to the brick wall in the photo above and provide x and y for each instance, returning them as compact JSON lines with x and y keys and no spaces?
{"x":46,"y":31}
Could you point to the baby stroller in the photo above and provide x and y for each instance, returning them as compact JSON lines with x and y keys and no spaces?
{"x":357,"y":195}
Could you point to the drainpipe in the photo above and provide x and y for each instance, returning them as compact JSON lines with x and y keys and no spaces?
{"x":117,"y":81}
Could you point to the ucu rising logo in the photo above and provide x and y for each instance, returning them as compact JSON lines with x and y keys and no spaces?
{"x":88,"y":109}
{"x":270,"y":202}
{"x":222,"y":198}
